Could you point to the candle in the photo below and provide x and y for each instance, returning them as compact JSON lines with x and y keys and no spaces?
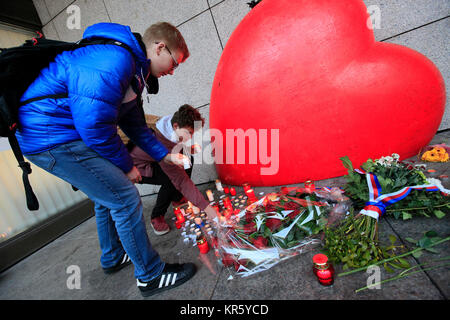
{"x":179,"y":215}
{"x":202,"y":244}
{"x":309,"y":186}
{"x":232,"y":191}
{"x":210,"y":195}
{"x":246,"y":187}
{"x":219,"y":185}
{"x":251,"y":195}
{"x":226,"y":190}
{"x":323,"y":270}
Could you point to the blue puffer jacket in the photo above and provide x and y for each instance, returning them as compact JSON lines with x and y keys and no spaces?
{"x":96,"y":78}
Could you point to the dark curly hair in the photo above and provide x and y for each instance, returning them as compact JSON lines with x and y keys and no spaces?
{"x":186,"y":116}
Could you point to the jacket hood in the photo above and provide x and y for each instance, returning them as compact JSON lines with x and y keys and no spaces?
{"x":120,"y":33}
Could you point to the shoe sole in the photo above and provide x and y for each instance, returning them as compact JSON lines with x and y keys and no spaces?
{"x":116,"y":269}
{"x":159,"y":233}
{"x":159,"y":290}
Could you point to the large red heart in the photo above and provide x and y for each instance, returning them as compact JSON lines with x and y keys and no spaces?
{"x":313,"y":70}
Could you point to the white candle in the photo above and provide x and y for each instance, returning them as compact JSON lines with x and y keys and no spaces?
{"x":219,"y":185}
{"x":210,"y":195}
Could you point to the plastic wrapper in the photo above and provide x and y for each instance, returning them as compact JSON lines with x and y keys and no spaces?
{"x":276,"y":227}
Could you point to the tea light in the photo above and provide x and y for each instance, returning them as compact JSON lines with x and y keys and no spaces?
{"x":210,"y":195}
{"x":219,"y":185}
{"x":251,"y":195}
{"x":246,"y":187}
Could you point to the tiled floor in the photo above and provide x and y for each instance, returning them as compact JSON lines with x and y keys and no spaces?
{"x":46,"y":273}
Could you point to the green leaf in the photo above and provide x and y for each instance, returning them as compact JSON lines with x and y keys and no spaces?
{"x":439,"y":214}
{"x":406,"y":216}
{"x":424,"y":242}
{"x":432,"y":250}
{"x":417,"y":254}
{"x":411,"y":240}
{"x":403,"y":263}
{"x":386,"y":267}
{"x":392,"y":239}
{"x":347,"y":163}
{"x":431,"y":234}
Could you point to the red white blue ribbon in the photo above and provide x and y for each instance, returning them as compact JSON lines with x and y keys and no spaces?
{"x":376,"y":206}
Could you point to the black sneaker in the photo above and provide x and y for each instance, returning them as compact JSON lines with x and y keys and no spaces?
{"x":172,"y":276}
{"x":123,"y":263}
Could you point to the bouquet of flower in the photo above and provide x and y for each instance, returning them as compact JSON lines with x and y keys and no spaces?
{"x":396,"y":187}
{"x":383,"y":186}
{"x":277,"y":227}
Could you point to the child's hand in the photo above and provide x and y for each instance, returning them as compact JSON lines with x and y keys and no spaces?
{"x":177,"y":159}
{"x":211,"y":213}
{"x":134,"y":175}
{"x":196,"y":148}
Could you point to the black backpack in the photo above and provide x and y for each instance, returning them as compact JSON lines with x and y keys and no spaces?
{"x":19,"y":67}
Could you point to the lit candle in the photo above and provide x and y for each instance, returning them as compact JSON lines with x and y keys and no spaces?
{"x":179,"y":215}
{"x":202,"y":244}
{"x":251,"y":195}
{"x":210,"y":195}
{"x":219,"y":185}
{"x":309,"y":186}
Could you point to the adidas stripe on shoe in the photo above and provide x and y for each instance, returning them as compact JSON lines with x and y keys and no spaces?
{"x":172,"y":276}
{"x":123,"y":263}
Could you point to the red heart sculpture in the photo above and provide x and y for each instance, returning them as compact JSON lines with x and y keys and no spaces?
{"x":313,"y":70}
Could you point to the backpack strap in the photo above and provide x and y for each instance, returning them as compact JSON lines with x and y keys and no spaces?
{"x":80,"y":44}
{"x":32,"y":202}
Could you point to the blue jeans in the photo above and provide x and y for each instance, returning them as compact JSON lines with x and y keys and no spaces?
{"x":118,"y":208}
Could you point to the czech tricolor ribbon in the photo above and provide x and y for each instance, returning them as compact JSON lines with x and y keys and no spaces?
{"x":376,"y":206}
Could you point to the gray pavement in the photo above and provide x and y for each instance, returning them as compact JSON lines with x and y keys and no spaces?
{"x":43,"y":275}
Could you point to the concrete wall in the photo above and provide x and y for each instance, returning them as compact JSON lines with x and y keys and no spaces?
{"x":422,"y":25}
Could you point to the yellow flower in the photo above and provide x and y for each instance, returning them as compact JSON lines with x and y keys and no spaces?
{"x":437,"y":154}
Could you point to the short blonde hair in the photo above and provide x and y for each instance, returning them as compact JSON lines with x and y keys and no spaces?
{"x":164,"y":31}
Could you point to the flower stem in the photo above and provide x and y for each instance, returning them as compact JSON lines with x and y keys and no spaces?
{"x":421,"y":208}
{"x":393,"y":258}
{"x":403,"y":275}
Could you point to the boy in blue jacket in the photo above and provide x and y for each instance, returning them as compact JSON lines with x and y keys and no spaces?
{"x":75,"y":137}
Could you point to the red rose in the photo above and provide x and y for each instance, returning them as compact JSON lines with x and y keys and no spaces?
{"x":292,"y":215}
{"x":260,"y":242}
{"x":240,"y":262}
{"x":227,"y":260}
{"x":249,"y":228}
{"x":249,"y":216}
{"x":273,"y":224}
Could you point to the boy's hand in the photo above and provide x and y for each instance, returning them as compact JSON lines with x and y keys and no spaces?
{"x":210,"y":213}
{"x":175,"y":158}
{"x":134,"y":175}
{"x":196,"y":148}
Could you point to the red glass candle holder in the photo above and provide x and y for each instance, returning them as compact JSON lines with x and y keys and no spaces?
{"x":251,"y":195}
{"x":179,"y":215}
{"x":323,"y":270}
{"x":202,"y":244}
{"x":232,"y":191}
{"x":309,"y":186}
{"x":246,"y":187}
{"x":226,"y":190}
